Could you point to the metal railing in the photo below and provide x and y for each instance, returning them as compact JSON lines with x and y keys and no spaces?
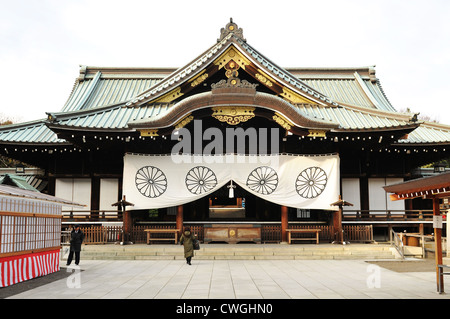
{"x":441,"y":274}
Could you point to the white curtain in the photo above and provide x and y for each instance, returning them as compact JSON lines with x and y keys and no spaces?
{"x":157,"y":181}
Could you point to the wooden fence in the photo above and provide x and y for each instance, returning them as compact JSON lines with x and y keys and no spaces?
{"x":358,"y":233}
{"x":269,"y":233}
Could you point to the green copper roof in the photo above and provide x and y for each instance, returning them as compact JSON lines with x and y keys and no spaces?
{"x":17,"y":181}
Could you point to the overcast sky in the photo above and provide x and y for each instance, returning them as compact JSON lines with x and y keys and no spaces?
{"x":43,"y":42}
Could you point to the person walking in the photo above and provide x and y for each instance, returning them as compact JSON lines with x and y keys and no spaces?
{"x":187,"y":240}
{"x":76,"y":239}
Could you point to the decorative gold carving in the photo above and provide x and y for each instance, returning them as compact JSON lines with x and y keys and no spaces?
{"x":317,"y":133}
{"x":169,"y":97}
{"x":232,"y":69}
{"x":233,"y":82}
{"x":232,"y":54}
{"x":199,"y":79}
{"x":188,"y":118}
{"x":233,"y":115}
{"x":264,"y":78}
{"x":149,"y":132}
{"x":293,"y":97}
{"x":282,"y":121}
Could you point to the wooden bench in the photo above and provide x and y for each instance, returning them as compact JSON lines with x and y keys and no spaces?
{"x":303,"y":231}
{"x":162,"y":231}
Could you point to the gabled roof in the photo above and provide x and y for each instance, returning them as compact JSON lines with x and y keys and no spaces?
{"x":17,"y":181}
{"x":232,"y":47}
{"x":108,"y":98}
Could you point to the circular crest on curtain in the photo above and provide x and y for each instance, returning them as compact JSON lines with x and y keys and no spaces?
{"x":200,"y":179}
{"x":311,"y":182}
{"x":151,"y":181}
{"x":263,"y":180}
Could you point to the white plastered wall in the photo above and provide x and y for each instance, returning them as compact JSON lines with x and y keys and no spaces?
{"x":77,"y":190}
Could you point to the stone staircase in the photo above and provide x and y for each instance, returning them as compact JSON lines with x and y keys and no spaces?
{"x":237,"y":251}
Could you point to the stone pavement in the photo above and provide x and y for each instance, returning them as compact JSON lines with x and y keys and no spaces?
{"x":236,"y":279}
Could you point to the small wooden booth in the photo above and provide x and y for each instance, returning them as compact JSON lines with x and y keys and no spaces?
{"x":232,"y":233}
{"x":30,"y":234}
{"x":436,"y":188}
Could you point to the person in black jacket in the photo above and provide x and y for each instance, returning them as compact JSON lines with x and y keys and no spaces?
{"x":76,"y":239}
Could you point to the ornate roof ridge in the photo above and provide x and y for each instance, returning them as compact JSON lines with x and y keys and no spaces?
{"x":232,"y":28}
{"x":378,"y":112}
{"x":227,"y":39}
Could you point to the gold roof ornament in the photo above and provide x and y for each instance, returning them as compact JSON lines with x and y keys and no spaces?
{"x":233,"y":115}
{"x":231,"y":27}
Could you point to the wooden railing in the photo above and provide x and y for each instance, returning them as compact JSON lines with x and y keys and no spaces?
{"x":348,"y":215}
{"x":96,"y":234}
{"x":389,"y":215}
{"x":92,"y":215}
{"x":358,"y":233}
{"x":269,"y":233}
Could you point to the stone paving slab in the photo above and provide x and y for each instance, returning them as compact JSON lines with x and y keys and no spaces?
{"x":235,"y":279}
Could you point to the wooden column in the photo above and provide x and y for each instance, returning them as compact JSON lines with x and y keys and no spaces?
{"x":438,"y":243}
{"x":95,"y":196}
{"x":284,"y":223}
{"x":127,"y":225}
{"x":364,"y":194}
{"x":337,"y":225}
{"x":179,"y":220}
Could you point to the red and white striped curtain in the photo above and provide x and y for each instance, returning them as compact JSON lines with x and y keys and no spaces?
{"x":20,"y":268}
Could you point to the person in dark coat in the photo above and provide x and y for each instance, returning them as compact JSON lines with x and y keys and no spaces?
{"x":187,"y":239}
{"x":76,"y":239}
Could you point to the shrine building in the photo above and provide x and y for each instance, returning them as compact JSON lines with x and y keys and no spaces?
{"x":231,"y":138}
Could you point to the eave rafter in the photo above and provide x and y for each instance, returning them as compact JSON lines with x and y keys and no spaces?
{"x":428,"y":187}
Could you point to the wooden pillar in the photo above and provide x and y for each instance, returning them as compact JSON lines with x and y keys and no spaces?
{"x":95,"y":196}
{"x":438,"y":244}
{"x":284,"y":223}
{"x":364,"y":194}
{"x":179,"y":219}
{"x":337,"y":225}
{"x":127,"y":224}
